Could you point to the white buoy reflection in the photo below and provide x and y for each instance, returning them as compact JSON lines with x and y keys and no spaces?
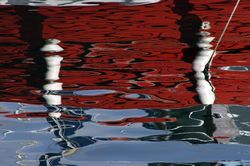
{"x":204,"y":87}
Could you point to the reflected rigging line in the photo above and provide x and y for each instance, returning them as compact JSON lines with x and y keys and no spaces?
{"x":224,"y":30}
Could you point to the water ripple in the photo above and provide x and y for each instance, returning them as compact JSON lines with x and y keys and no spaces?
{"x":93,"y":83}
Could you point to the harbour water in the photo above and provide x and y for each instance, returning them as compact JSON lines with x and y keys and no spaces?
{"x":117,"y":82}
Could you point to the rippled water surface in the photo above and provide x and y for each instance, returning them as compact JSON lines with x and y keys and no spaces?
{"x":117,"y":82}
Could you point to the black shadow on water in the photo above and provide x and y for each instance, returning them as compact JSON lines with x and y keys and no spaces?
{"x":189,"y":28}
{"x":31,"y":33}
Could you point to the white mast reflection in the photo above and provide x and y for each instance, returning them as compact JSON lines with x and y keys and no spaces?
{"x":52,"y":76}
{"x":204,"y":59}
{"x":204,"y":86}
{"x":222,"y":119}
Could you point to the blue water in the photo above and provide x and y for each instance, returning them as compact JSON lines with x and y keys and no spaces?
{"x":55,"y":141}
